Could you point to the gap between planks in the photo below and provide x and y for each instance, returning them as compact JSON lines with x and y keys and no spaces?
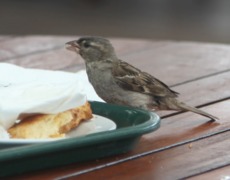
{"x":143,"y":154}
{"x":201,"y":77}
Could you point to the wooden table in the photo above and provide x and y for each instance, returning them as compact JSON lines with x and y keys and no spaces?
{"x":187,"y":145}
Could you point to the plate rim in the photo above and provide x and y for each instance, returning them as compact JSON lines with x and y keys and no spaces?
{"x":151,"y":124}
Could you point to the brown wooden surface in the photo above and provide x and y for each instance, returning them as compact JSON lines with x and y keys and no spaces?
{"x":186,"y":145}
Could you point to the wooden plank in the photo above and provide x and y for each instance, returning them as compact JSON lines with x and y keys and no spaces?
{"x":125,"y":46}
{"x":26,"y":45}
{"x":60,"y":58}
{"x":174,"y":130}
{"x":220,"y":173}
{"x":49,"y":52}
{"x":205,"y":90}
{"x":176,"y":163}
{"x":23,"y":45}
{"x":172,"y":61}
{"x":52,"y":60}
{"x":186,"y":126}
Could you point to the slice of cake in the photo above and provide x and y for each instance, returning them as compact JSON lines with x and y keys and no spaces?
{"x":38,"y":103}
{"x":52,"y":125}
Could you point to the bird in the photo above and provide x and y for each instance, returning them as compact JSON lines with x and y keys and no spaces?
{"x":118,"y":82}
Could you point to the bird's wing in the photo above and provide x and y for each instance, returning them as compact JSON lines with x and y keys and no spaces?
{"x":130,"y":78}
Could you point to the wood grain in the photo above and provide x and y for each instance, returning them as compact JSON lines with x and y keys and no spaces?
{"x":52,"y":60}
{"x":182,"y":61}
{"x":220,"y":173}
{"x":21,"y":46}
{"x":25,"y":45}
{"x":175,"y":163}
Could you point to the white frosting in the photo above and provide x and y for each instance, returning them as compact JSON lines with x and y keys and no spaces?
{"x":36,"y":91}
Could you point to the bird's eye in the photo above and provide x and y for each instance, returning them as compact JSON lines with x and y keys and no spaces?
{"x":86,"y":45}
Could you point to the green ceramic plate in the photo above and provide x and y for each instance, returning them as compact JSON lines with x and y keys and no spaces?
{"x":131,"y":125}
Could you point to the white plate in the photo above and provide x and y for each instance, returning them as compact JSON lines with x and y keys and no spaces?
{"x":94,"y":125}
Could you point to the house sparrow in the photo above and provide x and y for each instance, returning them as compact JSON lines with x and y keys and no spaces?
{"x":118,"y":82}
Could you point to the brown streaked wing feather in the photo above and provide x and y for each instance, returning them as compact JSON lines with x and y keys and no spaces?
{"x":132,"y":79}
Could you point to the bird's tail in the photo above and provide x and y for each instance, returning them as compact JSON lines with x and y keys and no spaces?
{"x":173,"y":104}
{"x":185,"y":107}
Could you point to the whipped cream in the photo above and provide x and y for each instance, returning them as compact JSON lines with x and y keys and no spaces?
{"x":26,"y":91}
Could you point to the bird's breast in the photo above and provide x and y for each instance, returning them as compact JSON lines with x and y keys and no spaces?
{"x":105,"y":86}
{"x":100,"y":76}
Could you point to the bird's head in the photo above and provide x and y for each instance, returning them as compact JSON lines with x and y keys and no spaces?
{"x":92,"y":48}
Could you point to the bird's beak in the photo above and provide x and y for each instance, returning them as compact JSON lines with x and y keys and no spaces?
{"x":73,"y":46}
